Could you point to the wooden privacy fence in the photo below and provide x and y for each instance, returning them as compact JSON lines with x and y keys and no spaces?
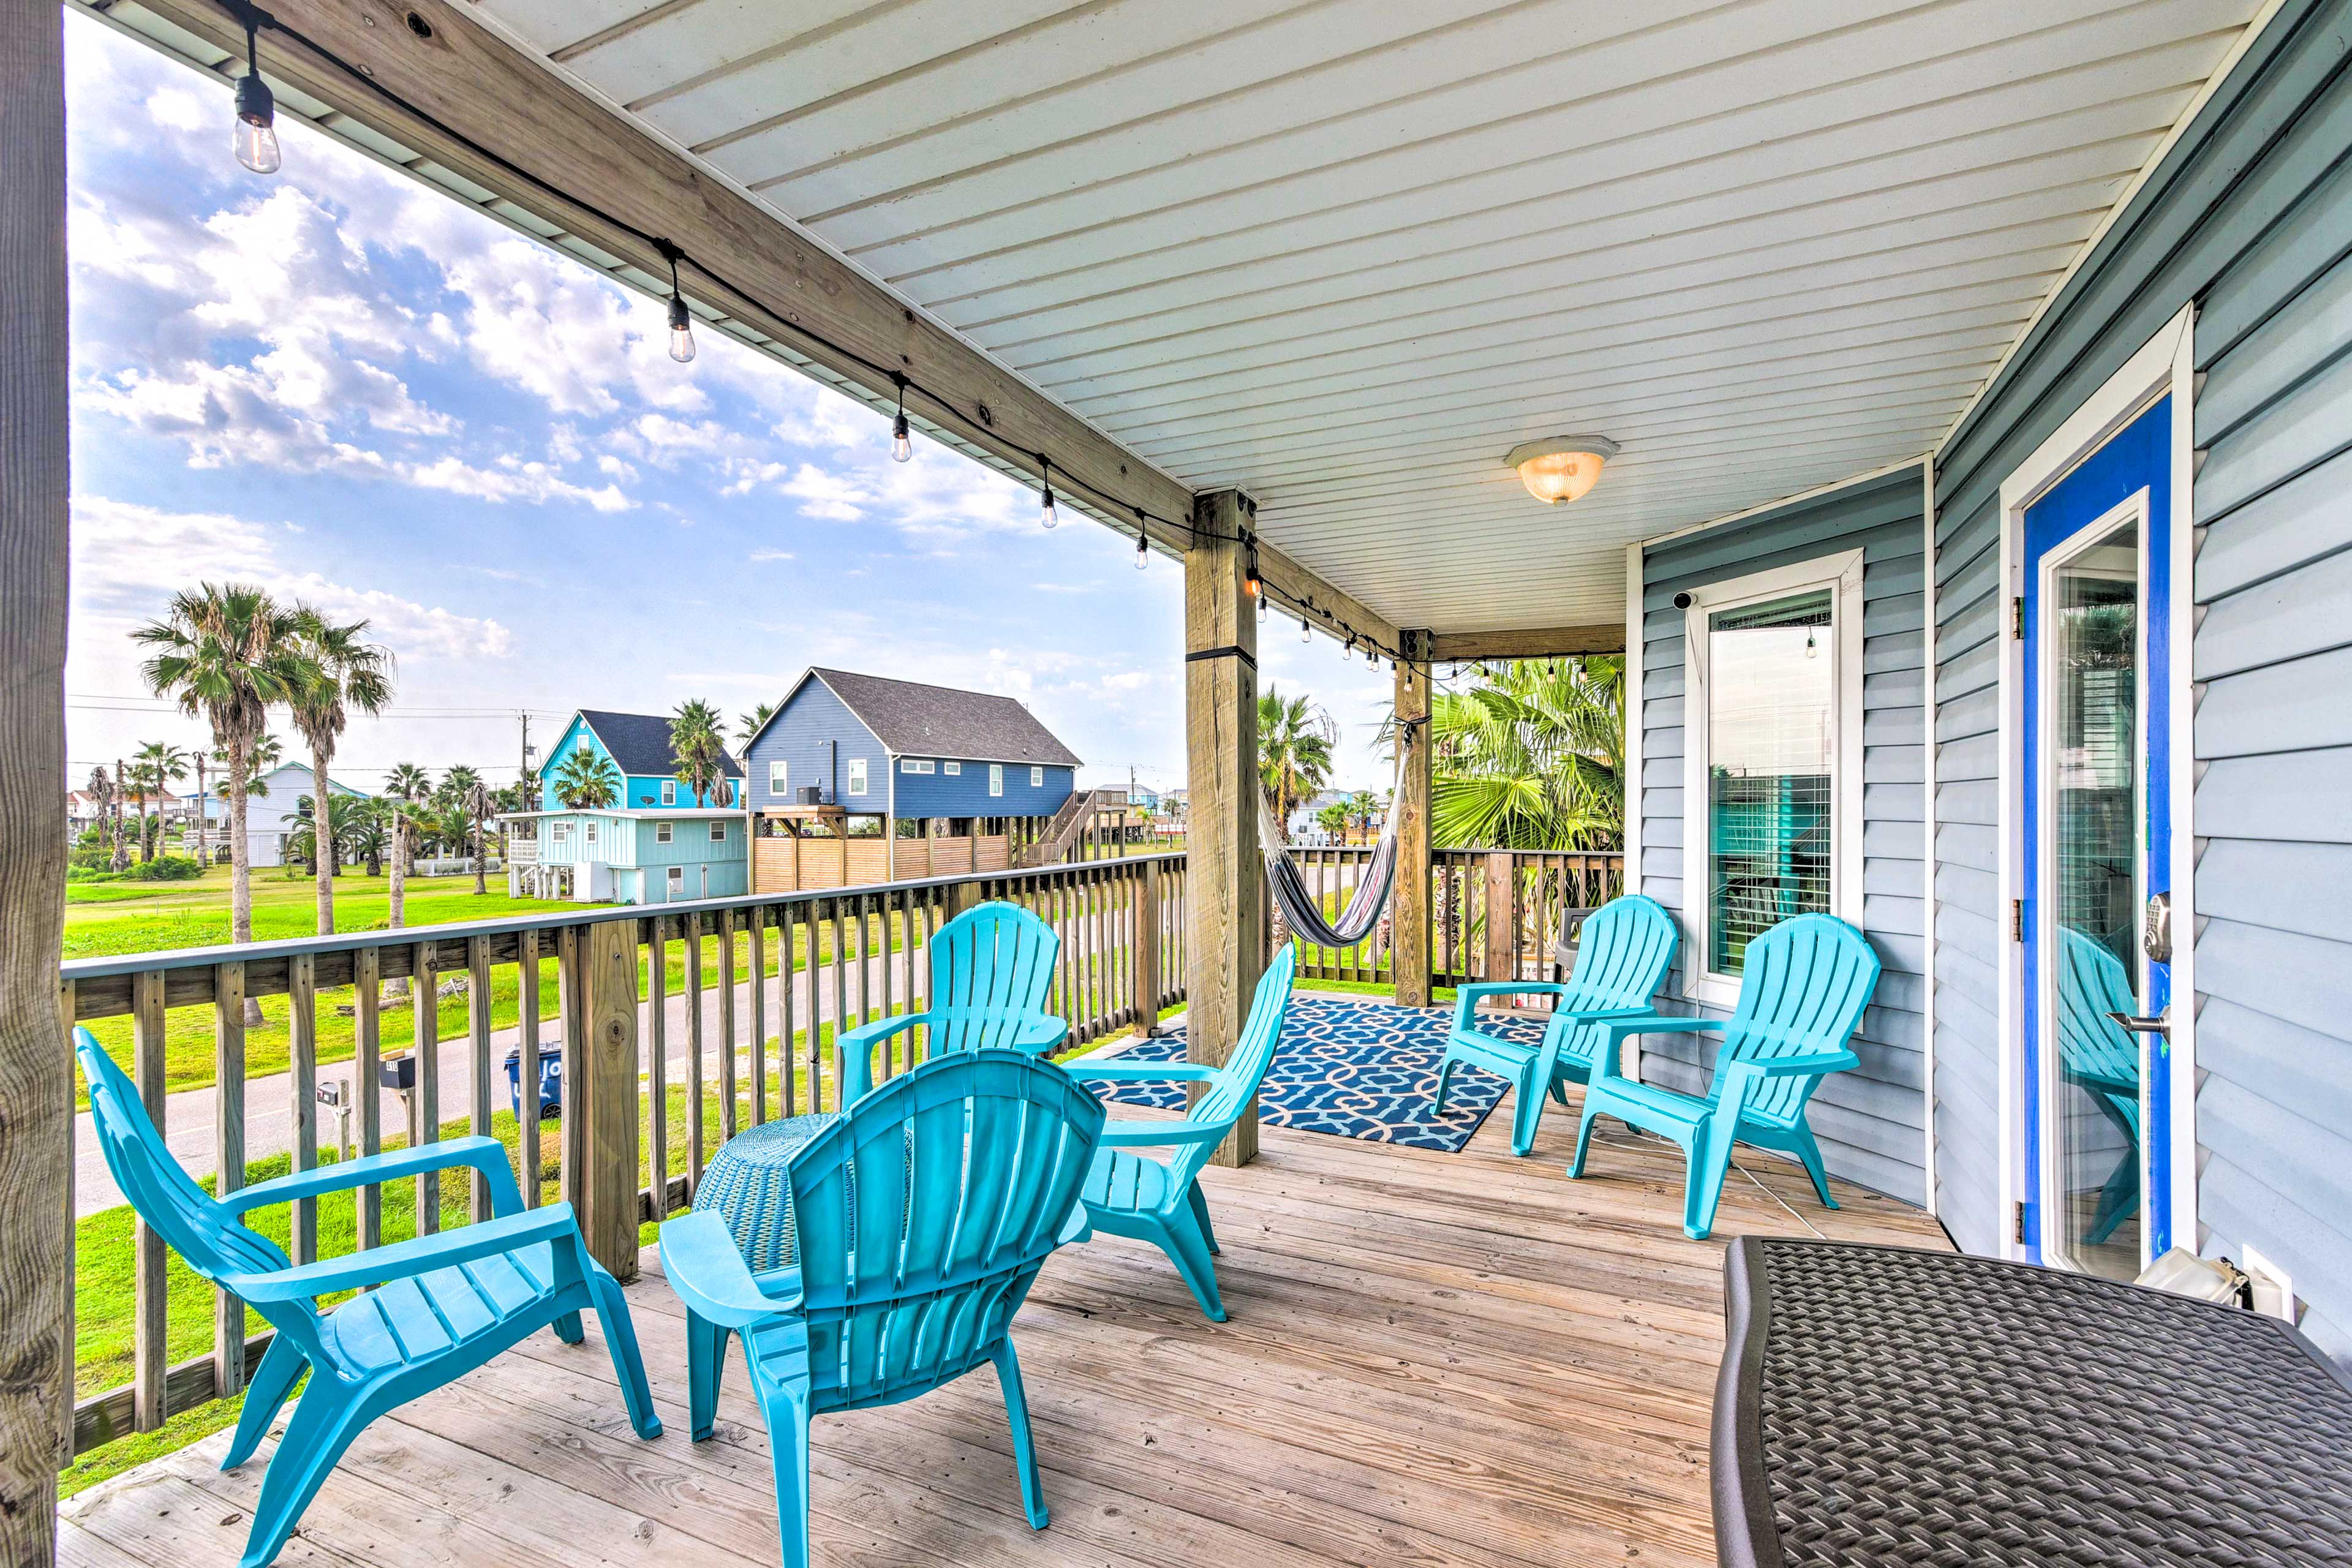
{"x":759,"y":984}
{"x":1531,"y":891}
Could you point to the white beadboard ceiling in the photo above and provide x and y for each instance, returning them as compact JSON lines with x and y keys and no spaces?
{"x":1344,"y":254}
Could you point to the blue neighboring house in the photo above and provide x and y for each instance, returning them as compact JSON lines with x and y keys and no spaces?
{"x":662,"y":844}
{"x":841,"y":744}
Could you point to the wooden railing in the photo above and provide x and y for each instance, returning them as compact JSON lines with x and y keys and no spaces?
{"x":1531,"y":891}
{"x":761,"y":982}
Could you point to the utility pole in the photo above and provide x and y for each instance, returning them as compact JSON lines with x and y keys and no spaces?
{"x":526,"y":749}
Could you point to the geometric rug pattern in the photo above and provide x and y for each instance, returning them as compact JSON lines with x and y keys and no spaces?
{"x":1351,"y":1069}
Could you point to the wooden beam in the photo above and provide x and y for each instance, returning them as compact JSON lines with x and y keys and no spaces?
{"x":1409,"y":924}
{"x":1548,"y":642}
{"x":36,"y":1081}
{"x":606,"y":1100}
{"x":1227,"y":923}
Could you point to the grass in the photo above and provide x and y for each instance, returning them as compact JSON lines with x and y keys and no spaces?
{"x":186,"y":914}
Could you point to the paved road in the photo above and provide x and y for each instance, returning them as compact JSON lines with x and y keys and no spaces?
{"x":189,"y":1115}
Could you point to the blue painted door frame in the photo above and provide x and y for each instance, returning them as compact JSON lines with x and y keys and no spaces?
{"x":2133,"y":465}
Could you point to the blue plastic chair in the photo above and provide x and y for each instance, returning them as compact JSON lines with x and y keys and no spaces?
{"x":1134,"y":1194}
{"x":1802,"y":991}
{"x":1622,"y":960}
{"x":2098,"y":1057}
{"x":922,"y":1217}
{"x":991,"y":967}
{"x":444,"y":1304}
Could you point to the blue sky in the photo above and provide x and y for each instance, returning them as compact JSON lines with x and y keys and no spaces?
{"x":340,"y":385}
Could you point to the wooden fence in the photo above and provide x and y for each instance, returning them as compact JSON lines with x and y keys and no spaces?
{"x":762,"y":979}
{"x":1532,"y":890}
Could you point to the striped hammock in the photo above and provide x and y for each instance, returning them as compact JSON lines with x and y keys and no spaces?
{"x":1303,"y":910}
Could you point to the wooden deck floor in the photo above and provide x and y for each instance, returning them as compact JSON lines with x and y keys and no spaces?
{"x":1432,"y":1358}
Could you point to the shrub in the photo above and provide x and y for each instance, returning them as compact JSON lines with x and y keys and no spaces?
{"x":165,"y":869}
{"x":81,"y":872}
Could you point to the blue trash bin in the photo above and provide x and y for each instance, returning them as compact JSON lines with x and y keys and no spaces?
{"x":551,"y":1079}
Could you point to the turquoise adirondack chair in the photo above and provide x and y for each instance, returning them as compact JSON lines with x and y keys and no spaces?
{"x":1134,"y":1194}
{"x":2099,"y":1058}
{"x":442,"y":1304}
{"x":991,"y":967}
{"x":1805,"y":984}
{"x":923,"y":1215}
{"x":1623,"y":958}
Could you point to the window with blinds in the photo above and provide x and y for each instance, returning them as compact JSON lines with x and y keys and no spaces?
{"x":1771,"y":750}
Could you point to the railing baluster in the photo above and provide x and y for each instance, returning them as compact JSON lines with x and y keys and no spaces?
{"x":693,"y":1064}
{"x":477,"y":1014}
{"x":150,"y":1348}
{"x":756,"y":960}
{"x":726,"y":1025}
{"x":890,"y":957}
{"x":229,"y":1158}
{"x":367,"y":1060}
{"x":67,"y":999}
{"x":840,"y":1000}
{"x":658,"y":1066}
{"x":527,"y":1021}
{"x":302,"y":1093}
{"x":424,"y":1103}
{"x":788,"y":981}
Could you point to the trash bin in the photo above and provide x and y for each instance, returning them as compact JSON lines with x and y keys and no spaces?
{"x":551,"y":1079}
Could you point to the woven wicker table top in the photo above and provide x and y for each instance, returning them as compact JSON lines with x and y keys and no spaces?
{"x":744,"y":1185}
{"x":1884,"y":1405}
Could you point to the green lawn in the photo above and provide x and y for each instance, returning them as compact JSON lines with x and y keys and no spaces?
{"x":188,"y":914}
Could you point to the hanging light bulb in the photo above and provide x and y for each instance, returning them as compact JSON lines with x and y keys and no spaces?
{"x":681,"y":324}
{"x":1142,"y":549}
{"x":255,"y":137}
{"x":1304,"y":634}
{"x":1264,"y":608}
{"x":1045,"y":478}
{"x":1811,"y":651}
{"x":902,"y":445}
{"x":1457,"y":670}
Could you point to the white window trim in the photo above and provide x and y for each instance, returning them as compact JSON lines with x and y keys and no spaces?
{"x":718,"y":831}
{"x":779,"y":772}
{"x":669,"y":792}
{"x":590,"y":838}
{"x":1841,"y":574}
{"x":662,"y":831}
{"x":954,"y":770}
{"x":917,"y":765}
{"x":1037,"y":777}
{"x":855,"y":767}
{"x":995,"y":778}
{"x":673,"y":882}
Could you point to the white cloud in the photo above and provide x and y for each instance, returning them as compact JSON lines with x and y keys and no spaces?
{"x":772,"y":556}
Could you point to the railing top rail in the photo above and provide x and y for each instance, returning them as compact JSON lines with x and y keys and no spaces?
{"x":406,"y":936}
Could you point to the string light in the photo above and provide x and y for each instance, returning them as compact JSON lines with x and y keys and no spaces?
{"x":681,"y":324}
{"x":902,"y":445}
{"x":1045,"y":478}
{"x":256,"y":136}
{"x":1142,"y":542}
{"x":1304,"y":634}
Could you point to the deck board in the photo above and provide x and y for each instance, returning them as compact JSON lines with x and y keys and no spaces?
{"x":1432,"y":1358}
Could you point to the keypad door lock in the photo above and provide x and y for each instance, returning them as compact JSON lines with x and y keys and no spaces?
{"x":2155,"y":931}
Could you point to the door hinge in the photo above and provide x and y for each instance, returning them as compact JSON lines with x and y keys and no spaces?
{"x":2017,"y":919}
{"x":2017,"y":617}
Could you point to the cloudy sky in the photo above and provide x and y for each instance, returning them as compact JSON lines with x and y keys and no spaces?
{"x":339,"y":384}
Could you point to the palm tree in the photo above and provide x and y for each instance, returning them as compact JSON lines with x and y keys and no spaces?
{"x":157,"y":766}
{"x":699,"y":749}
{"x":748,"y":724}
{"x":456,"y":786}
{"x":346,"y":674}
{"x":586,"y":782}
{"x":228,"y":653}
{"x":369,"y":834}
{"x":1293,"y":750}
{"x":101,"y":789}
{"x":302,"y":843}
{"x":404,"y":788}
{"x":121,"y":857}
{"x":1529,"y":758}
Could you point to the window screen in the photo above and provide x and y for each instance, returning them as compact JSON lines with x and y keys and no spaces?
{"x":1771,"y":734}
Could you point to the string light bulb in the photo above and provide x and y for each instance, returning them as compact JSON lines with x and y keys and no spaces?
{"x":1811,"y":651}
{"x":681,"y":324}
{"x":255,"y":135}
{"x":1305,"y":633}
{"x":902,"y":445}
{"x":1045,"y":513}
{"x":1142,"y":548}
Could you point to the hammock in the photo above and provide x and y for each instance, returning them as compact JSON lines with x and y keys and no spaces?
{"x":1299,"y":905}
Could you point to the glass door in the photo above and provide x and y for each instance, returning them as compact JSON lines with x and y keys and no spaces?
{"x":2097,"y":853}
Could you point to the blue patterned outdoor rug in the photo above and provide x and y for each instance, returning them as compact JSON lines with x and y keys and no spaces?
{"x":1353,"y":1070}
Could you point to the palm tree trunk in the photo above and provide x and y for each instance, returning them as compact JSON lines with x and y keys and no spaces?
{"x":240,"y":863}
{"x":146,"y":851}
{"x":322,"y":843}
{"x":399,"y":891}
{"x":204,"y":816}
{"x":481,"y":824}
{"x":121,"y":857}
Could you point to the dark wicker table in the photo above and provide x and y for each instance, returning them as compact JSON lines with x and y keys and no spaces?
{"x":1886,"y":1405}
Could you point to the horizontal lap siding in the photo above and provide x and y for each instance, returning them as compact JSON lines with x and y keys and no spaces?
{"x":799,"y":736}
{"x":1868,"y":1120}
{"x":2251,"y":216}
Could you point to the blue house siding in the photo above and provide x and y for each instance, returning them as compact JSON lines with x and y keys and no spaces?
{"x":1870,"y":1121}
{"x":816,"y":736}
{"x":637,"y":789}
{"x":2250,"y":216}
{"x":942,"y":793}
{"x":631,"y":846}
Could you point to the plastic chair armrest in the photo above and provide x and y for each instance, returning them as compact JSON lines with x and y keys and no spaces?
{"x":853,"y":1057}
{"x":487,"y":1155}
{"x":1140,"y":1072}
{"x":404,"y":1259}
{"x":1039,"y":1034}
{"x":1078,"y":1228}
{"x":1812,"y":1064}
{"x":1465,"y":997}
{"x":703,"y":1265}
{"x":1160,"y":1134}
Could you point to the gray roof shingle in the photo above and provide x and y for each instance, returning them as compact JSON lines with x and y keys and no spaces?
{"x":640,"y":743}
{"x":913,"y":719}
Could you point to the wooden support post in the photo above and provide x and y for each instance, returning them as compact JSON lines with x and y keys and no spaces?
{"x":1143,"y":948}
{"x":570,"y":955}
{"x":1502,"y":960}
{"x":424,"y":1100}
{"x":229,"y":1158}
{"x":150,"y":1347}
{"x":1221,"y":757}
{"x":477,"y":1062}
{"x":36,"y":1069}
{"x":606,"y":1096}
{"x":367,"y":1067}
{"x":527,"y":1020}
{"x":302,"y":1093}
{"x":1409,"y":920}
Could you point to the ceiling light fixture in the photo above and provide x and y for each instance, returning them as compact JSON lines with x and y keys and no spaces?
{"x":1561,"y":467}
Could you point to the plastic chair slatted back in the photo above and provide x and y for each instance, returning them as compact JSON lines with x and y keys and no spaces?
{"x":1621,"y":960}
{"x":1802,"y":990}
{"x":1229,"y":1093}
{"x":2092,"y":1050}
{"x":989,"y":966}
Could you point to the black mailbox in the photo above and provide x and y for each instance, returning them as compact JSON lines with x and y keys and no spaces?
{"x":397,"y":1072}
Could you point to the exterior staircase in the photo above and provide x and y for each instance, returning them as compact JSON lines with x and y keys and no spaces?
{"x":1069,"y":823}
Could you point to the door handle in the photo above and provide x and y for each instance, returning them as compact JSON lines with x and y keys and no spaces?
{"x":2159,"y":1024}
